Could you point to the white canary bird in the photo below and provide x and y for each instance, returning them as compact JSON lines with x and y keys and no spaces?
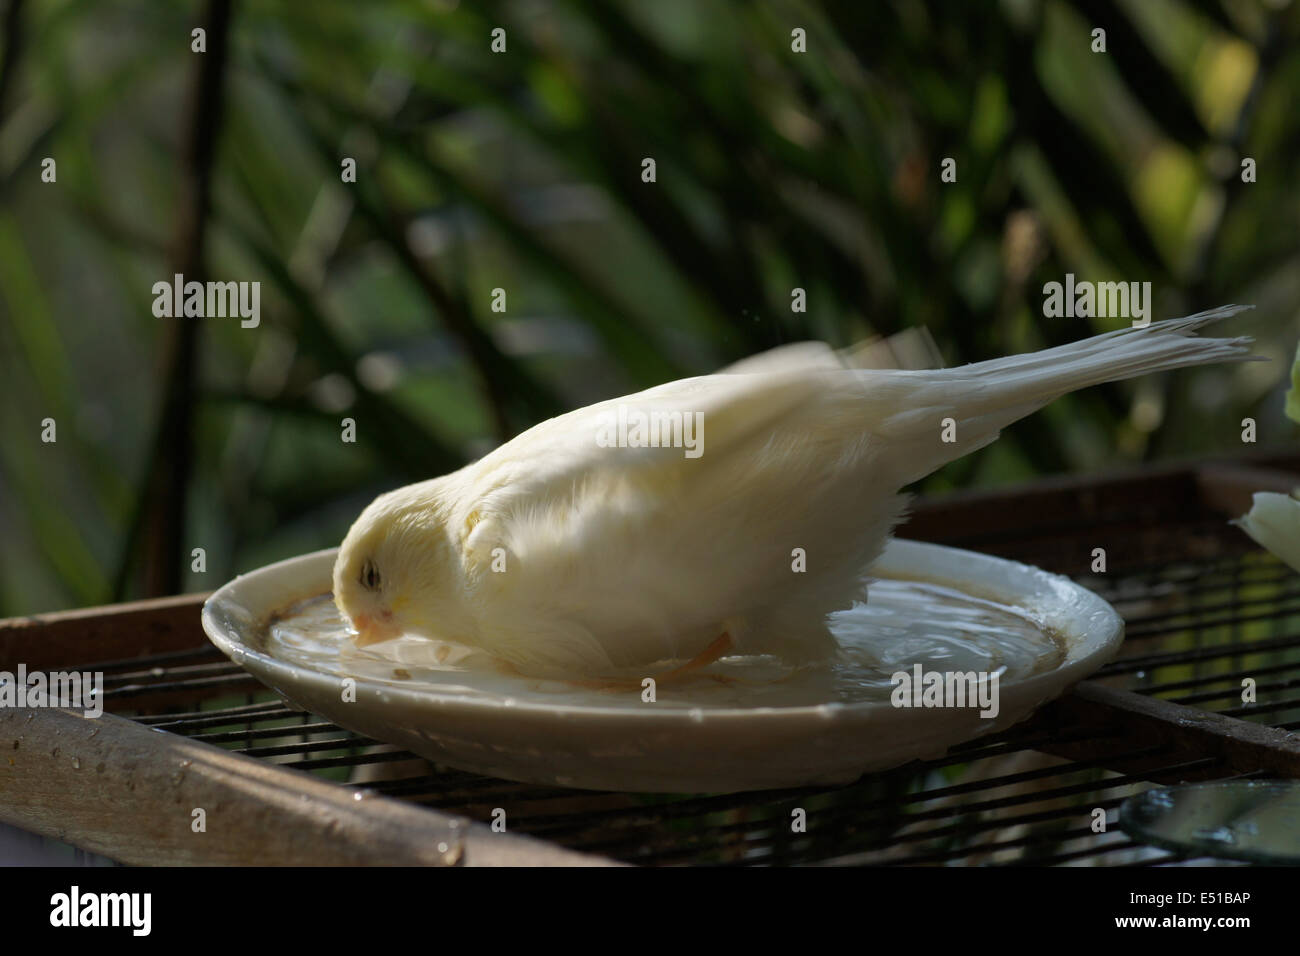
{"x":669,"y":525}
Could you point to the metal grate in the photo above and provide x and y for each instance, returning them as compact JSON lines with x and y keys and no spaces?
{"x":999,"y":801}
{"x":1205,"y":611}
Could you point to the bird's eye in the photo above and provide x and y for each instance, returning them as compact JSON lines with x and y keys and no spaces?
{"x":370,"y":576}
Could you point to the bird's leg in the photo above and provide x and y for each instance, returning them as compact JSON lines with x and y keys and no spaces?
{"x":721,"y":644}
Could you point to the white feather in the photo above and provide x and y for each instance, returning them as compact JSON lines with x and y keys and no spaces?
{"x":616,"y":557}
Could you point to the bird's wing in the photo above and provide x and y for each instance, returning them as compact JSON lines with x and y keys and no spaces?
{"x":645,"y":552}
{"x":912,"y":348}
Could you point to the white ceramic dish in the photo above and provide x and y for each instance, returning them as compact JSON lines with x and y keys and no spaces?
{"x":521,"y":729}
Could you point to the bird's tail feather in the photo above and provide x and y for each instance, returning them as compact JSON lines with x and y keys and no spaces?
{"x":985,"y":397}
{"x":1039,"y":377}
{"x":1109,"y":357}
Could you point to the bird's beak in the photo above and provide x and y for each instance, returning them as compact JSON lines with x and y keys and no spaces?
{"x":372,"y":631}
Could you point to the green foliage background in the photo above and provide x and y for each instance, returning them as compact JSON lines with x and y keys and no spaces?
{"x":522,"y":170}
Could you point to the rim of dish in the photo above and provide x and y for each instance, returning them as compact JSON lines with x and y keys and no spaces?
{"x":1101,"y":634}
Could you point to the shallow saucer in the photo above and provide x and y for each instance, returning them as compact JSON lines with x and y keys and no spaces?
{"x":701,"y":737}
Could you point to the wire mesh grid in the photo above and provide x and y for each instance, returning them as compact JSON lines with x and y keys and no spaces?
{"x":1205,"y":611}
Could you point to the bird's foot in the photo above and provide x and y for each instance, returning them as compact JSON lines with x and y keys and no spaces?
{"x":709,"y":655}
{"x":719,"y":646}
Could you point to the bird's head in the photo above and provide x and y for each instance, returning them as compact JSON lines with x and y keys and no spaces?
{"x":397,"y":572}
